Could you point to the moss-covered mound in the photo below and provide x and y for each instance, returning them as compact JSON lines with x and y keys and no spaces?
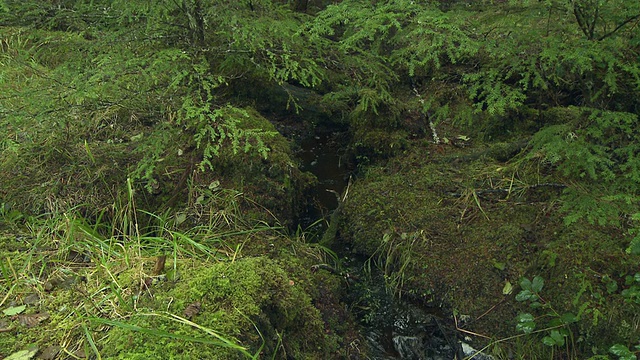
{"x":96,"y":163}
{"x":250,"y":302}
{"x":62,"y":298}
{"x":273,"y":181}
{"x":460,"y":229}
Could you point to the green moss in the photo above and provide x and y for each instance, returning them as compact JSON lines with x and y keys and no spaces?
{"x":562,"y":115}
{"x":250,"y":301}
{"x":379,"y":143}
{"x":444,"y":231}
{"x":266,"y":300}
{"x":274,"y":182}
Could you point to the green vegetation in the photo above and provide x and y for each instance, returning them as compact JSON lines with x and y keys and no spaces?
{"x":495,"y":143}
{"x":220,"y":291}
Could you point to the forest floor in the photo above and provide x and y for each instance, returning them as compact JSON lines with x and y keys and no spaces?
{"x":448,"y":226}
{"x":454,"y":227}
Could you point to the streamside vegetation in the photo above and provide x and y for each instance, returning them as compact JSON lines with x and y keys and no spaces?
{"x":150,"y":190}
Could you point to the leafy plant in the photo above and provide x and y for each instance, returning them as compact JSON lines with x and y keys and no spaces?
{"x":594,"y":145}
{"x":558,"y":325}
{"x":623,"y":352}
{"x":632,"y":292}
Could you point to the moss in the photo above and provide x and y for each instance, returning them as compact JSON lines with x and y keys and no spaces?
{"x":266,"y":300}
{"x":378,"y":143}
{"x":251,"y":301}
{"x":515,"y":123}
{"x":562,"y":115}
{"x":30,"y":271}
{"x":446,"y":233}
{"x":274,"y":182}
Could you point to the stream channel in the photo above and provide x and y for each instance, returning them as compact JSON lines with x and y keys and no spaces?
{"x":394,"y":328}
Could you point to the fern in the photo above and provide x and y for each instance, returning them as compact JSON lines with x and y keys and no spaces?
{"x":66,"y":87}
{"x":515,"y":70}
{"x":432,"y":39}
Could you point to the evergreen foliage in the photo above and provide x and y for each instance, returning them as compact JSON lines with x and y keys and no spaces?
{"x":93,"y":92}
{"x":93,"y":68}
{"x":90,"y":68}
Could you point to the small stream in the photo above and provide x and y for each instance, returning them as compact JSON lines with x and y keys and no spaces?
{"x":321,"y":154}
{"x":398,"y":328}
{"x":394,"y":328}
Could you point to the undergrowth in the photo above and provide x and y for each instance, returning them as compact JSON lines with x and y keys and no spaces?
{"x":77,"y":288}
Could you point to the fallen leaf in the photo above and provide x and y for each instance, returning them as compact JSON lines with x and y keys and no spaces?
{"x":32,"y":320}
{"x":5,"y":326}
{"x":192,"y":310}
{"x":49,"y":285}
{"x":80,"y":353}
{"x":23,"y":354}
{"x":31,"y":299}
{"x":49,"y":353}
{"x":14,"y":310}
{"x":78,"y":257}
{"x":159,"y":267}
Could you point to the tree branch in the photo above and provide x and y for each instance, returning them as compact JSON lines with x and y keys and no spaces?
{"x":579,"y":15}
{"x":628,"y":20}
{"x":592,"y":26}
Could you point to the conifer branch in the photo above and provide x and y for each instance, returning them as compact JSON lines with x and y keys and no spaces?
{"x":622,"y":24}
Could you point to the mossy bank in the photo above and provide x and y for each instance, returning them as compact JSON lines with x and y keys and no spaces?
{"x":453,"y":229}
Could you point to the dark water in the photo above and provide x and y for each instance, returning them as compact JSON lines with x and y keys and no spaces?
{"x":322,"y":154}
{"x":394,"y":328}
{"x":398,"y":328}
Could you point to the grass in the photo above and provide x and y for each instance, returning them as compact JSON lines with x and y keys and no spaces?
{"x":118,"y":285}
{"x":394,"y":258}
{"x":98,"y":272}
{"x":215,"y":338}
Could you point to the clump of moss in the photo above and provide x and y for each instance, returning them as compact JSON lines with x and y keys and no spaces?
{"x":251,"y":302}
{"x":380,"y":143}
{"x":263,"y":296}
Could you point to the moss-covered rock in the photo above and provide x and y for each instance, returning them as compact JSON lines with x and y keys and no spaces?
{"x":251,"y":302}
{"x":262,"y":298}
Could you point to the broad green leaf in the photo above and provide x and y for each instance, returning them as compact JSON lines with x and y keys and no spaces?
{"x":526,"y":327}
{"x":525,"y":317}
{"x":499,"y":265}
{"x":507,"y":289}
{"x":611,"y":286}
{"x":634,"y":246}
{"x":537,"y":284}
{"x":568,"y":318}
{"x":535,"y":305}
{"x":526,"y":323}
{"x":14,"y":310}
{"x":23,"y":354}
{"x":549,"y":341}
{"x":526,"y":295}
{"x":623,"y":352}
{"x":557,"y":337}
